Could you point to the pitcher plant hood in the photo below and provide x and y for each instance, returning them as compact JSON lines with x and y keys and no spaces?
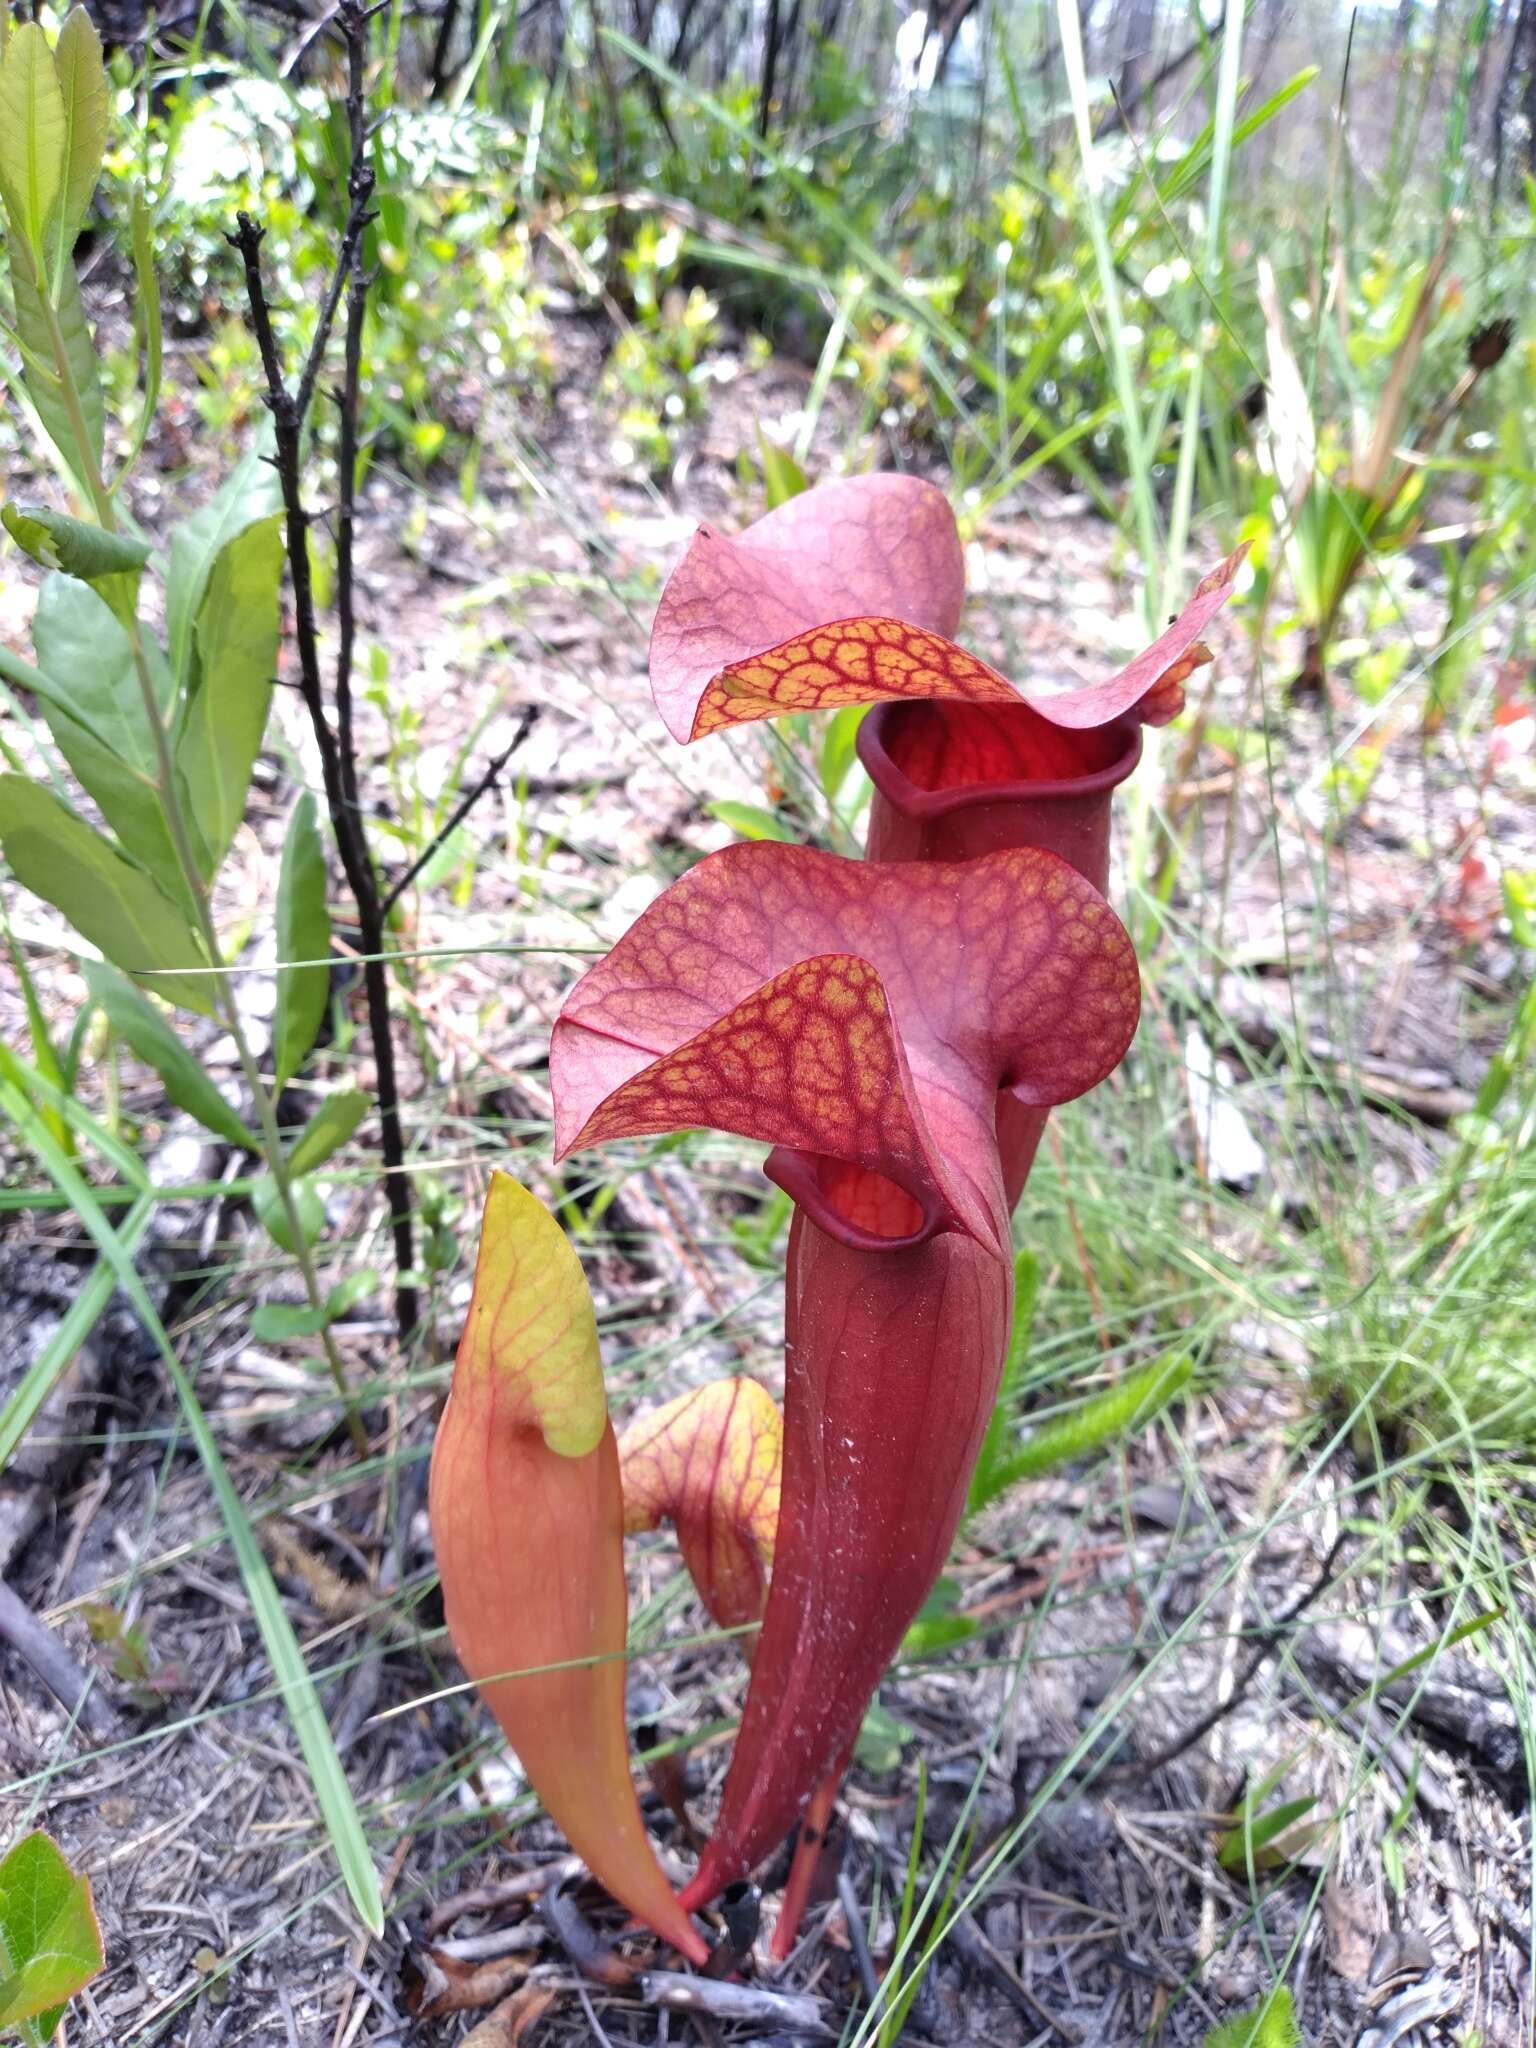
{"x":851,"y":593}
{"x":859,"y":1020}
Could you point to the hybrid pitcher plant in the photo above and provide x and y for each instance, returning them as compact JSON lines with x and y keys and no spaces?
{"x":895,"y":1031}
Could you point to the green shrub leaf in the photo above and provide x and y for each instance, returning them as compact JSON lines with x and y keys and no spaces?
{"x":112,"y":904}
{"x":303,"y":935}
{"x":44,"y":386}
{"x":230,"y":687}
{"x":250,"y":495}
{"x":83,"y":83}
{"x":56,"y":541}
{"x":142,"y":1027}
{"x":272,"y":1216}
{"x":276,"y":1322}
{"x":328,"y":1129}
{"x":91,"y":697}
{"x":33,"y":136}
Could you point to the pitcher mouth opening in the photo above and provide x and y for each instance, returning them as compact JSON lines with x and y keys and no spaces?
{"x":854,"y":1204}
{"x":928,"y":760}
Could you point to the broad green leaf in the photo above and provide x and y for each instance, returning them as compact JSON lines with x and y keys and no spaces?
{"x":250,"y":494}
{"x":187,"y":1081}
{"x":230,"y":686}
{"x":295,"y":1686}
{"x":50,"y":1944}
{"x":275,"y":1322}
{"x":43,"y":336}
{"x":303,"y":935}
{"x":273,"y":1217}
{"x":56,"y":541}
{"x":749,"y":821}
{"x":328,"y":1129}
{"x":91,"y":696}
{"x":111,"y":903}
{"x":83,"y":82}
{"x":32,"y":135}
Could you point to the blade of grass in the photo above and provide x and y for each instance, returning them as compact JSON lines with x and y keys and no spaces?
{"x":1138,"y":456}
{"x":332,"y":1791}
{"x":85,"y":1311}
{"x":1215,"y":262}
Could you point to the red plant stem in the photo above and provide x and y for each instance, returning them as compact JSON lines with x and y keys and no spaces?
{"x":806,"y":1862}
{"x":892,"y":1363}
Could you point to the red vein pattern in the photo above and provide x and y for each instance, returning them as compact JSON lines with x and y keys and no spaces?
{"x":763,"y":624}
{"x":864,"y":1014}
{"x":709,"y":1463}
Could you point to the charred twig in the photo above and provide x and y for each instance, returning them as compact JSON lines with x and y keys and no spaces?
{"x":591,"y":1955}
{"x":741,"y":1915}
{"x":461,"y":810}
{"x":338,"y":762}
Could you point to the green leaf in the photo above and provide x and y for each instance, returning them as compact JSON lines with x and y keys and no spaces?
{"x":275,"y":1322}
{"x":303,"y":935}
{"x":147,"y":324}
{"x":1088,"y":1425}
{"x":32,"y":135}
{"x":50,"y":1944}
{"x":187,"y":1082}
{"x":230,"y":687}
{"x":881,"y":1740}
{"x":295,"y":1687}
{"x":346,"y":1294}
{"x":35,"y":331}
{"x":749,"y":821}
{"x":328,"y":1129}
{"x":56,"y":541}
{"x":83,"y":82}
{"x":783,"y":477}
{"x":91,"y":697}
{"x":839,"y":748}
{"x":1253,"y":1837}
{"x":273,"y":1218}
{"x":111,"y":903}
{"x":249,"y":496}
{"x":1270,"y":2025}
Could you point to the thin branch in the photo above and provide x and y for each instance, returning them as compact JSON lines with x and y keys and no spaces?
{"x":461,"y":810}
{"x":338,"y":762}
